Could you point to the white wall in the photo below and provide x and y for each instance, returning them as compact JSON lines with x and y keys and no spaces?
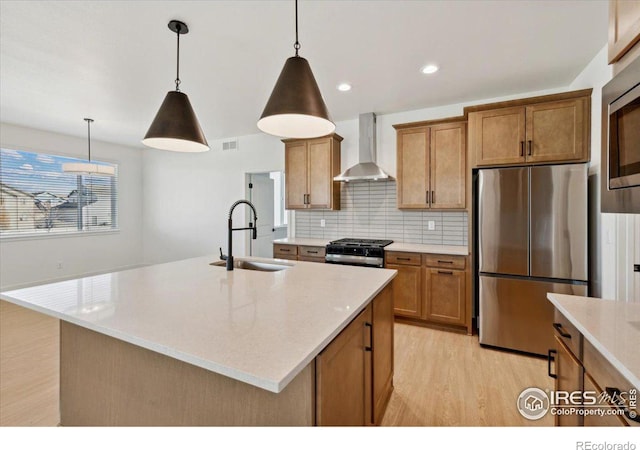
{"x":187,"y":196}
{"x":28,"y":261}
{"x":615,"y":241}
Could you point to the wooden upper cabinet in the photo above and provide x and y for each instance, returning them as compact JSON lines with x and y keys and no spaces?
{"x":624,"y":27}
{"x":310,"y":166}
{"x":499,"y":136}
{"x":532,"y":132}
{"x":413,"y":168}
{"x":320,"y":174}
{"x":557,"y":131}
{"x":295,"y":167}
{"x":431,"y":162}
{"x":448,"y":163}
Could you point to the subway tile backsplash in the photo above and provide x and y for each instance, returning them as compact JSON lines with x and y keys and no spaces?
{"x":369,"y":210}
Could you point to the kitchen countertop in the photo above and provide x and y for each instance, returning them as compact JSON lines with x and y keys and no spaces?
{"x":395,"y":247}
{"x":427,"y":248}
{"x":303,"y":241}
{"x":612,"y":327}
{"x":261,"y":328}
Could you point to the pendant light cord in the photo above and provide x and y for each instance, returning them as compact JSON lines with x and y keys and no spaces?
{"x":297,"y":44}
{"x":178,"y":59}
{"x":89,"y":136}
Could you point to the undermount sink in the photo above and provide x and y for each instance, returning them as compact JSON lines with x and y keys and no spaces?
{"x":252,"y":265}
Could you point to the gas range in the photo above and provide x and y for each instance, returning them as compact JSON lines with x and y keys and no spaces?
{"x":357,"y":252}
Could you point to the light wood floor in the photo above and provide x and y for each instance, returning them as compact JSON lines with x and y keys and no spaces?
{"x":446,"y":379}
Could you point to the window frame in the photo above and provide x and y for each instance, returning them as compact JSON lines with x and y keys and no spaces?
{"x":35,"y":235}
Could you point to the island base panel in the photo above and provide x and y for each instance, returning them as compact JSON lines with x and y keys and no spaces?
{"x":105,"y":381}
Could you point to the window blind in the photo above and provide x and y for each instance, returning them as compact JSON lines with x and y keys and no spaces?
{"x":39,"y":197}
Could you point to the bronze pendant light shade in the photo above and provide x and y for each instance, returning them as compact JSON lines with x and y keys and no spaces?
{"x":296,"y":108}
{"x":176,"y":126}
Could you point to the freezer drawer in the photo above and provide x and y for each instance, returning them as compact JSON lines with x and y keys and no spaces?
{"x":515,"y":313}
{"x":559,"y":222}
{"x":503,"y":220}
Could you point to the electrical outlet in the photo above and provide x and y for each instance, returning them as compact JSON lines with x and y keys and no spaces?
{"x":431,"y":224}
{"x":59,"y":265}
{"x":322,"y":223}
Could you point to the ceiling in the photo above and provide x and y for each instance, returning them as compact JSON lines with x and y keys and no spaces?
{"x":61,"y":61}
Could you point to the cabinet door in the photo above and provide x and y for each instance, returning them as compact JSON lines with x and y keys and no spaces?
{"x":569,"y":374}
{"x":382,"y":352}
{"x":595,"y":420}
{"x":413,"y":168}
{"x":343,"y":376}
{"x":448,"y":156}
{"x":498,"y":136}
{"x":557,"y":131}
{"x":624,"y":27}
{"x":295,"y":168}
{"x":320,"y":176}
{"x":445,"y":296}
{"x":407,"y":291}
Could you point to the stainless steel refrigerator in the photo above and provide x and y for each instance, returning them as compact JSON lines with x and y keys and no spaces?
{"x":532,"y":239}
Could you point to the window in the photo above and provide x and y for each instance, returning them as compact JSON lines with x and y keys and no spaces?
{"x":38,"y":197}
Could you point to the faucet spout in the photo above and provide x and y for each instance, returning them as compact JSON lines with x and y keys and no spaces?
{"x":252,"y":226}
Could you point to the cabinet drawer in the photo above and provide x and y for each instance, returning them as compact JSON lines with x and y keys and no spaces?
{"x":282,"y":249}
{"x":312,"y":252}
{"x":605,"y":376}
{"x":407,"y":258}
{"x":444,"y":261}
{"x":567,"y":333}
{"x":597,"y":420}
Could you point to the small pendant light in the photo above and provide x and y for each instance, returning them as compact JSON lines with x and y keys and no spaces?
{"x":176,"y":126}
{"x":296,"y":108}
{"x":89,"y":168}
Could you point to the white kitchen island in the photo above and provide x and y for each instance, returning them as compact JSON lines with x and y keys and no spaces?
{"x":187,"y":343}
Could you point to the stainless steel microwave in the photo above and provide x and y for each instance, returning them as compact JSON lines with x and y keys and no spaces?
{"x":621,"y":141}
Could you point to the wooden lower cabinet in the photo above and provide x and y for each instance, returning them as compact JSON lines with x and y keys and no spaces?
{"x":445,"y":295}
{"x":431,"y":289}
{"x":569,"y":374}
{"x":594,"y":420}
{"x":299,"y":252}
{"x":407,"y":290}
{"x":343,"y":376}
{"x":354,"y":373}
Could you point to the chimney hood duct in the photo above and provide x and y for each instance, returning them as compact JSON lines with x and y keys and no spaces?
{"x":366,"y":169}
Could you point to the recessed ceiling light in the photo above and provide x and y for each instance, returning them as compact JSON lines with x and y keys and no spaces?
{"x":429,"y":69}
{"x":344,"y":87}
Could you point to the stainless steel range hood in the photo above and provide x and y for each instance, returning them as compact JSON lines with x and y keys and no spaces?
{"x":366,"y":169}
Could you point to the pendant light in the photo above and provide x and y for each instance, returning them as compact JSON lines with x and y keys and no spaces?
{"x":176,"y":126}
{"x":89,"y":168}
{"x":296,"y":108}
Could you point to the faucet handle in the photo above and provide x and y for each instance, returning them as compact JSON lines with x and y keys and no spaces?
{"x":222,"y":256}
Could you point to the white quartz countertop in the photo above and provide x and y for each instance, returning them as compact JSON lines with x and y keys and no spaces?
{"x":612,"y":327}
{"x":395,"y":247}
{"x":427,"y":248}
{"x":261,"y":328}
{"x":303,"y":241}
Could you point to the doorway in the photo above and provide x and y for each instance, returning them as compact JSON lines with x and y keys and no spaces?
{"x":266,"y":191}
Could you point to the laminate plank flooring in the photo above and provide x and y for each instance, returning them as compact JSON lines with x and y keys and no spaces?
{"x":446,"y":379}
